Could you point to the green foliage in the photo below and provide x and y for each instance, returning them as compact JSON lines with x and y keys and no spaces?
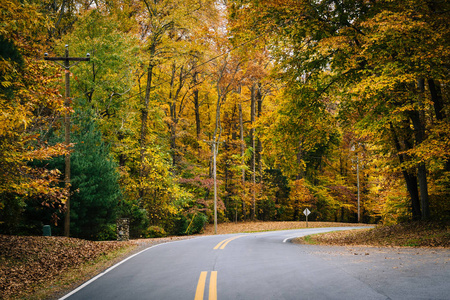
{"x":155,"y":232}
{"x":94,"y":180}
{"x":11,"y":214}
{"x":137,"y":215}
{"x":180,"y":224}
{"x":107,"y":233}
{"x":104,"y":82}
{"x":266,"y":210}
{"x":197,"y":224}
{"x":376,"y":66}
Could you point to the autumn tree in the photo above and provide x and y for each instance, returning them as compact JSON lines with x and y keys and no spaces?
{"x":29,"y":105}
{"x":379,"y":60}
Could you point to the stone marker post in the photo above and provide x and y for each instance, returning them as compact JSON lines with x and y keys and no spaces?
{"x":123,"y":229}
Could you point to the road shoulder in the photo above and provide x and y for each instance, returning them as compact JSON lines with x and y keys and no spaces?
{"x":390,"y":270}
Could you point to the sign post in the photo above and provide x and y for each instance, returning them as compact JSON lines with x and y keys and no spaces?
{"x":306,"y":212}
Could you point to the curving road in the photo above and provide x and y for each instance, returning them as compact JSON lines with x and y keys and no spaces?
{"x":267,"y":266}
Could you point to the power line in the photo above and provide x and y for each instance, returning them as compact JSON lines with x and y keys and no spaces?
{"x":203,"y":63}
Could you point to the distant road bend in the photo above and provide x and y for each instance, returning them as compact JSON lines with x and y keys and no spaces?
{"x":267,"y":266}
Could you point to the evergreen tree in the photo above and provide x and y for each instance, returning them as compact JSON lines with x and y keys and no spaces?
{"x":94,"y":181}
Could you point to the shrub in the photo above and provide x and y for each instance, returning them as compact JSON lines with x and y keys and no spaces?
{"x":107,"y":233}
{"x":155,"y":232}
{"x":197,"y":224}
{"x":181,"y":224}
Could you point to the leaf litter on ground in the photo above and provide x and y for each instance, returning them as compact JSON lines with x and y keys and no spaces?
{"x":37,"y":267}
{"x":414,"y":234}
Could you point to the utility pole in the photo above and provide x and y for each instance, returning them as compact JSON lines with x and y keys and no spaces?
{"x":353,"y":148}
{"x":213,"y":145}
{"x":357,"y":182}
{"x":66,"y":60}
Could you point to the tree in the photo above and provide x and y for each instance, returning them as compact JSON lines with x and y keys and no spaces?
{"x":364,"y":56}
{"x":28,"y":106}
{"x":160,"y":19}
{"x":95,"y":181}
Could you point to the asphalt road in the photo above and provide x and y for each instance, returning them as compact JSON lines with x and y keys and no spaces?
{"x":267,"y":266}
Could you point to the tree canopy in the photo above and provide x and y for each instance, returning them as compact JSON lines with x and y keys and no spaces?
{"x":327,"y":105}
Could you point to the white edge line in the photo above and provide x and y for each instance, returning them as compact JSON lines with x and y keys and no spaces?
{"x":108,"y":270}
{"x":289,"y":238}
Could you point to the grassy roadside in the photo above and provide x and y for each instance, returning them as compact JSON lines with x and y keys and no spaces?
{"x":416,"y":234}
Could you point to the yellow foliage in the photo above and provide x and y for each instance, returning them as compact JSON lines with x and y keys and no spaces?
{"x":28,"y":108}
{"x":300,"y":195}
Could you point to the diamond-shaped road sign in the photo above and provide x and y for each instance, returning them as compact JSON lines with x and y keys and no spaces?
{"x":306,"y":212}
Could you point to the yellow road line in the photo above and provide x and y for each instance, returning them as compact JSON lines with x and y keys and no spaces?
{"x":223,"y":243}
{"x":229,"y":240}
{"x":213,"y":286}
{"x":220,"y":244}
{"x":201,"y":286}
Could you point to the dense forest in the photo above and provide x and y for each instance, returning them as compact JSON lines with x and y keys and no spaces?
{"x":338,"y":106}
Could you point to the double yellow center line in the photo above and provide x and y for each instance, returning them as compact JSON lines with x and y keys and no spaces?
{"x":212,"y":286}
{"x":223,"y":243}
{"x":200,"y":291}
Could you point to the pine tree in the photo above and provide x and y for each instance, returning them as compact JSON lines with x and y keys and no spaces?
{"x":94,"y":180}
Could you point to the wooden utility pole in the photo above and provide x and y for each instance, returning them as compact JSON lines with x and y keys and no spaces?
{"x":357,"y":183}
{"x":241,"y":134}
{"x":214,"y":150}
{"x":66,"y":60}
{"x":252,"y":137}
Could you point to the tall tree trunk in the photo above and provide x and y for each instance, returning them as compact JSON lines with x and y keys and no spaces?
{"x":258,"y":143}
{"x":418,"y":120}
{"x":122,"y":155}
{"x":196,"y":106}
{"x":300,"y":174}
{"x":144,"y":119}
{"x":252,"y":137}
{"x":227,"y":177}
{"x":438,"y":104}
{"x":436,"y":97}
{"x":241,"y":135}
{"x":410,"y":179}
{"x":173,"y":116}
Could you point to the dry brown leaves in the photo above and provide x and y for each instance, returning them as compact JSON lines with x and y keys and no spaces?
{"x":226,"y":228}
{"x":28,"y":261}
{"x":416,"y":234}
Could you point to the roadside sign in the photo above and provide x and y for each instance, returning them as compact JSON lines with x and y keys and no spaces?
{"x":306,"y":212}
